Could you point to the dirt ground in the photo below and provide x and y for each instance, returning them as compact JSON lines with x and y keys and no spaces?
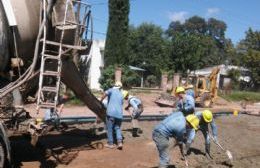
{"x":78,"y":147}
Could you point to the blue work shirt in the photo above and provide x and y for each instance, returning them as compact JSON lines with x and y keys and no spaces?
{"x":190,"y":92}
{"x":134,"y":102}
{"x":203,"y":126}
{"x":186,"y":106}
{"x":173,"y":126}
{"x":115,"y":102}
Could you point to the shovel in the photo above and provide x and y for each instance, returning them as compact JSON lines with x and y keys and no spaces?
{"x":183,"y":154}
{"x":228,"y":153}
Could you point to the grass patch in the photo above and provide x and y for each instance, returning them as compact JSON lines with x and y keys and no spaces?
{"x":75,"y":101}
{"x":242,"y":95}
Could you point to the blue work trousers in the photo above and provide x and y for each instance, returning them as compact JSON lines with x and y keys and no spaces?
{"x":113,"y":124}
{"x":162,"y":144}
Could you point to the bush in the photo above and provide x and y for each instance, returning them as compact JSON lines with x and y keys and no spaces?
{"x":107,"y":77}
{"x":129,"y":78}
{"x":151,"y":81}
{"x":234,"y":75}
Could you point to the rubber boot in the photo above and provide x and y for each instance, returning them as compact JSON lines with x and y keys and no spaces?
{"x":134,"y":133}
{"x":208,"y":151}
{"x":140,"y":131}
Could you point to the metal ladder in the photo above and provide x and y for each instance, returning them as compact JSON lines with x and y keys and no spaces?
{"x":43,"y":100}
{"x":44,"y":93}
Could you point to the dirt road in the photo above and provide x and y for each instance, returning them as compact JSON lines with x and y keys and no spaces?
{"x":78,"y":147}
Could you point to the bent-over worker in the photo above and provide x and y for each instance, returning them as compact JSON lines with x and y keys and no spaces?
{"x":175,"y":126}
{"x":206,"y":118}
{"x":136,"y":110}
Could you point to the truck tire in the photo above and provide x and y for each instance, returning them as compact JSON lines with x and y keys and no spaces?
{"x":205,"y":100}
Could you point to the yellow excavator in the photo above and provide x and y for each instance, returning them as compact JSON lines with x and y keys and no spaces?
{"x":205,"y":87}
{"x":205,"y":90}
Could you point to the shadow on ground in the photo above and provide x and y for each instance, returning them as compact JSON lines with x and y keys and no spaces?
{"x":55,"y":148}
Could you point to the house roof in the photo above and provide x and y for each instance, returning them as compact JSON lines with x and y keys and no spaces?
{"x":223,"y":69}
{"x":136,"y":68}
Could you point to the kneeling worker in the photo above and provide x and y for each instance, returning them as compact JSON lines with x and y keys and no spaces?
{"x":175,"y":126}
{"x":206,"y":118}
{"x":136,"y":110}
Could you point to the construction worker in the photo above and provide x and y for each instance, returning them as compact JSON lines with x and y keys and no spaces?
{"x":189,"y":90}
{"x":114,"y":114}
{"x":136,"y":111}
{"x":175,"y":126}
{"x":185,"y":103}
{"x":206,"y":118}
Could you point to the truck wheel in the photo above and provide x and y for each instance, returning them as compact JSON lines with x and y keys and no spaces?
{"x":205,"y":100}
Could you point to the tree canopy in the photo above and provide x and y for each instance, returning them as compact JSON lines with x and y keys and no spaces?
{"x":194,"y":44}
{"x":198,"y":43}
{"x":249,"y":54}
{"x":116,"y":41}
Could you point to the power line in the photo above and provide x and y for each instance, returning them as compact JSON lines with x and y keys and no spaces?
{"x":101,"y":20}
{"x":101,"y":3}
{"x":106,"y":3}
{"x":96,"y":32}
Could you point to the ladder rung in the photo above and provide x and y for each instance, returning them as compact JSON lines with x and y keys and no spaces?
{"x":73,"y":23}
{"x":47,"y":105}
{"x":51,"y":56}
{"x":52,"y":51}
{"x":65,"y":45}
{"x":51,"y":73}
{"x":49,"y":89}
{"x":66,"y":27}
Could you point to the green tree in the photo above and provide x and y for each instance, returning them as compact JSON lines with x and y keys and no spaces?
{"x":198,"y":43}
{"x":196,"y":24}
{"x":116,"y":40}
{"x":249,"y":53}
{"x":216,"y":29}
{"x":251,"y":41}
{"x":252,"y":62}
{"x":175,"y":27}
{"x":148,"y":48}
{"x":183,"y":56}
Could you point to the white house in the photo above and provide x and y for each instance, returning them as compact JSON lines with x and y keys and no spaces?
{"x":97,"y":63}
{"x":224,"y":69}
{"x":96,"y":59}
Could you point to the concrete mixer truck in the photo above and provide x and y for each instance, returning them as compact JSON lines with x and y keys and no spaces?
{"x":40,"y":41}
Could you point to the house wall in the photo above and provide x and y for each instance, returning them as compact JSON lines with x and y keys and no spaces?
{"x":96,"y":64}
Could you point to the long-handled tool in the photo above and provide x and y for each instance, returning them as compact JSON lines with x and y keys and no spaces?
{"x":183,"y":154}
{"x":228,"y":153}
